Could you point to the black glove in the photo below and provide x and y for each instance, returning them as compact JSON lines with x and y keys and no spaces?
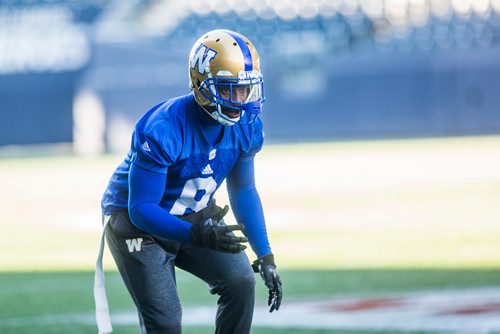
{"x":265,"y":265}
{"x":213,"y":233}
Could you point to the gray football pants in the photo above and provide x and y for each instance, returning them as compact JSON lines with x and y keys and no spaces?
{"x":146,"y":265}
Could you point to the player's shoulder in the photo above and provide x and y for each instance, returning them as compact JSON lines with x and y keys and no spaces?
{"x":168,"y":112}
{"x":165,"y":118}
{"x":157,"y":138}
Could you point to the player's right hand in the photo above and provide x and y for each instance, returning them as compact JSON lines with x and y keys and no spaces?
{"x":214,"y":234}
{"x":267,"y":268}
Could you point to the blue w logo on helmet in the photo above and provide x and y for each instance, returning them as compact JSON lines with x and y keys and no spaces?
{"x":202,"y":57}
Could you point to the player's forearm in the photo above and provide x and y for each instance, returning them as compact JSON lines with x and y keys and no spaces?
{"x":155,"y":220}
{"x":145,"y":193}
{"x":247,"y":209}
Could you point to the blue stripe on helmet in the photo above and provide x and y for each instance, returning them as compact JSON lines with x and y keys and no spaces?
{"x":247,"y":55}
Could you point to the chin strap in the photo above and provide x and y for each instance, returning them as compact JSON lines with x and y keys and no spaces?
{"x":252,"y":110}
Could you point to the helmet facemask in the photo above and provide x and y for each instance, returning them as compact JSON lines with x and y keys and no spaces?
{"x":234,"y":100}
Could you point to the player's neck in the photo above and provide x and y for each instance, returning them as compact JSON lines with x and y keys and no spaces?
{"x":206,"y":120}
{"x":212,"y":130}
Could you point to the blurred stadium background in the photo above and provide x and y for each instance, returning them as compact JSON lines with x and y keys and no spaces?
{"x":382,"y":121}
{"x":81,"y":72}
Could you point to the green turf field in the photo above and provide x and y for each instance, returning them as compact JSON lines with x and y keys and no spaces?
{"x":346,"y":218}
{"x":34,"y":298}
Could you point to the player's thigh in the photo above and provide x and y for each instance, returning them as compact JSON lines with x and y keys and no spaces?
{"x":216,"y":268}
{"x":146,"y":267}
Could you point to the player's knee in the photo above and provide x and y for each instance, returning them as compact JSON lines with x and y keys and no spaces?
{"x":164,"y":327}
{"x":238,"y":283}
{"x":243,"y":285}
{"x":166,"y":323}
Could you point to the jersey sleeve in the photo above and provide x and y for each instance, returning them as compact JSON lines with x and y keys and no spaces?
{"x":155,"y":144}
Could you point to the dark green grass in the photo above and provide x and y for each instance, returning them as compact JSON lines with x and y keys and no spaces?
{"x":35,"y":294}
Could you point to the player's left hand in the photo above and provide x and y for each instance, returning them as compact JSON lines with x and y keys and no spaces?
{"x":267,"y":269}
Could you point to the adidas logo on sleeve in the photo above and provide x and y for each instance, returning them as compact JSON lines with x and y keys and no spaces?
{"x":207,"y":170}
{"x":145,"y":147}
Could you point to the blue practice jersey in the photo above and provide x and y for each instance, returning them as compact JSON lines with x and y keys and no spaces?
{"x":169,"y":139}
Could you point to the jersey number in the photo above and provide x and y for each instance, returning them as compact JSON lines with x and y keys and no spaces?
{"x":187,"y":199}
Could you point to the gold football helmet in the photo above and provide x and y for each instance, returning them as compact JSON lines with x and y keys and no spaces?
{"x":224,"y":73}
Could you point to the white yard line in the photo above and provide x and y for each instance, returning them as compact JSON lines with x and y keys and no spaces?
{"x":465,"y":311}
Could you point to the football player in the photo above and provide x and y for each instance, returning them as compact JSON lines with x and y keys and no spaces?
{"x":159,"y":208}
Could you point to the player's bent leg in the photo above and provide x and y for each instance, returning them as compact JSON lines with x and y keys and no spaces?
{"x":236,"y":303}
{"x":231,"y":277}
{"x":148,"y":273}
